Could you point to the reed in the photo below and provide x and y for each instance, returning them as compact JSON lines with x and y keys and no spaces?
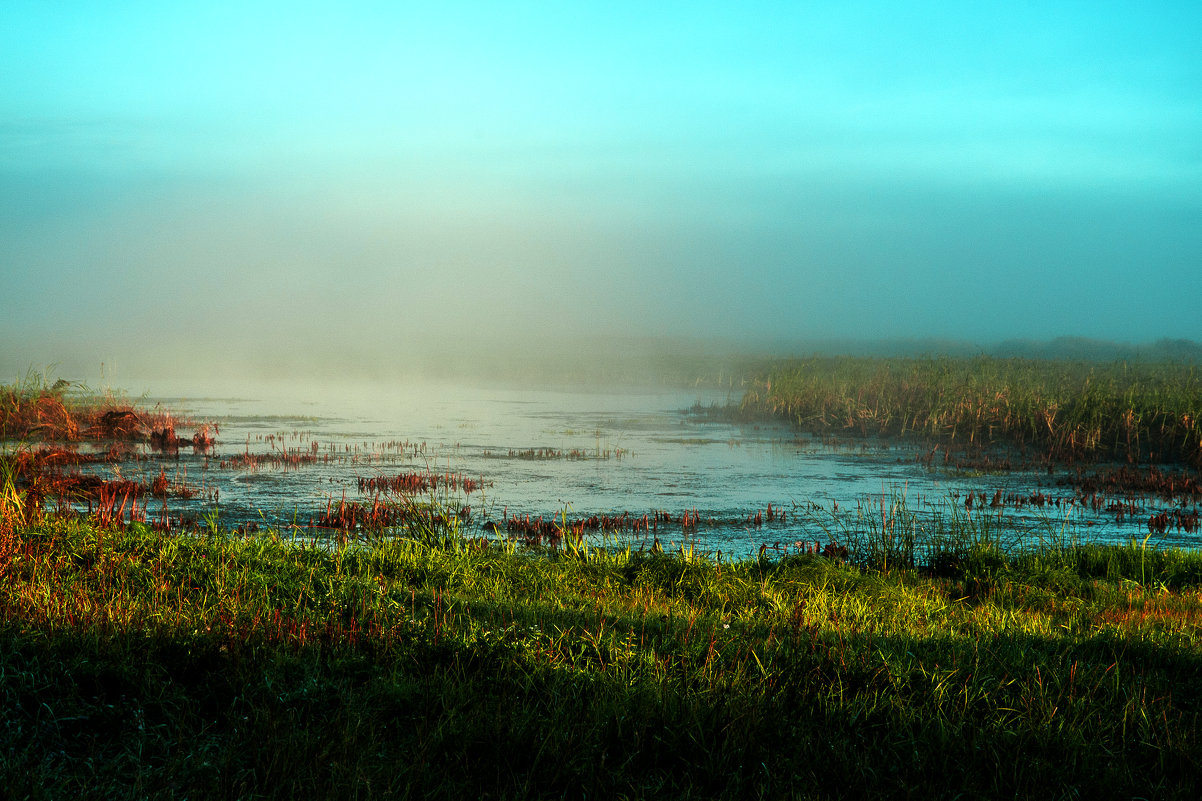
{"x":135,"y":662}
{"x":32,"y":409}
{"x":1063,"y":411}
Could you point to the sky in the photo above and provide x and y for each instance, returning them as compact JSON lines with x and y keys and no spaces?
{"x":320,"y":186}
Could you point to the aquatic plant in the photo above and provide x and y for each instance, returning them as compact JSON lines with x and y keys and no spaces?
{"x":31,"y":410}
{"x":1064,"y":411}
{"x":414,"y":483}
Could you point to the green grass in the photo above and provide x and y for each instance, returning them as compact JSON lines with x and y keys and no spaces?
{"x":138,"y":664}
{"x":1060,"y":410}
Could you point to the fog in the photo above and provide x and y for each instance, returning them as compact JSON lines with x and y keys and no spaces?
{"x":380,"y":190}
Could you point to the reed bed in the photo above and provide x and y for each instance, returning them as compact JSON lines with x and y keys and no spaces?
{"x":554,"y":531}
{"x":33,"y":410}
{"x":412,"y":483}
{"x":1059,"y":410}
{"x":139,"y":663}
{"x":572,"y":454}
{"x":41,"y":425}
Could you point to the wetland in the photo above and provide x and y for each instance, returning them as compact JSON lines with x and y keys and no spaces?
{"x":1037,"y":451}
{"x":688,"y":592}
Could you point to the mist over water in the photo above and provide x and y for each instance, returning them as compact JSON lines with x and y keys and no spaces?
{"x":362,"y":191}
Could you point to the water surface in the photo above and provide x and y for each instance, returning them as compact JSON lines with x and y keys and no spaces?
{"x":549,"y":453}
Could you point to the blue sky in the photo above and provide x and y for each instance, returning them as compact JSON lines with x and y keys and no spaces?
{"x":275,"y":179}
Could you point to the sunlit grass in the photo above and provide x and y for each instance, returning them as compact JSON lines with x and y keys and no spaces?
{"x":1060,"y":410}
{"x":138,"y":663}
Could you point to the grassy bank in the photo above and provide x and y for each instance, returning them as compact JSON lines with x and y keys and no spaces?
{"x":139,"y":664}
{"x":1059,"y":410}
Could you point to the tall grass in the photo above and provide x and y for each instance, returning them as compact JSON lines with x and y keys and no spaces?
{"x":135,"y":663}
{"x":34,"y":410}
{"x":31,"y":407}
{"x":885,"y":533}
{"x":1061,"y":410}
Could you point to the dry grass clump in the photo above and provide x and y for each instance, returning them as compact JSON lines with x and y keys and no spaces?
{"x":33,"y":410}
{"x":42,"y":415}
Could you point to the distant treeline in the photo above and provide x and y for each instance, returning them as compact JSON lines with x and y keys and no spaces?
{"x":1063,"y":410}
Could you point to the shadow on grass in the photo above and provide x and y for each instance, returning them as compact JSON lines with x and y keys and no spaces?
{"x":430,"y":713}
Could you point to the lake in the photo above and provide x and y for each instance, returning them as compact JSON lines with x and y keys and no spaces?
{"x":286,"y":452}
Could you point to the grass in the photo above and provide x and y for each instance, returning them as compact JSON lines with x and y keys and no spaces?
{"x":135,"y":663}
{"x":32,"y":409}
{"x":1062,"y":411}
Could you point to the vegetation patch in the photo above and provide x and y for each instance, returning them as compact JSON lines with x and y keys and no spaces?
{"x":1058,"y":410}
{"x":135,"y":662}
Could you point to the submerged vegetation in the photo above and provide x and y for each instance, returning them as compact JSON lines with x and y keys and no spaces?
{"x":1059,"y":411}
